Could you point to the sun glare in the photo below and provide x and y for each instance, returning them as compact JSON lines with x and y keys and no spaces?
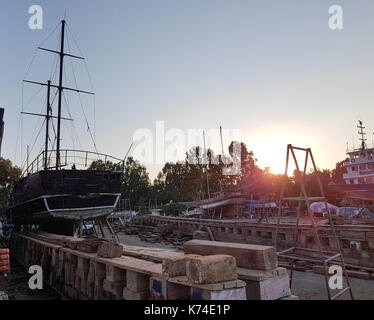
{"x":271,"y":150}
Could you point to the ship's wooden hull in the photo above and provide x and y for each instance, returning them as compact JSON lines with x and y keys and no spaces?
{"x":72,"y":195}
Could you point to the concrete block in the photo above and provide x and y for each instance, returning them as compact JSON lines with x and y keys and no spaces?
{"x":291,"y":297}
{"x":247,"y":255}
{"x":114,"y":287}
{"x":115,"y":274}
{"x":110,"y":250}
{"x":176,"y":266}
{"x":131,"y":295}
{"x":161,"y":289}
{"x":137,"y":282}
{"x":211,"y":269}
{"x":228,"y":294}
{"x":99,"y":288}
{"x":83,"y":264}
{"x":268,"y":289}
{"x":71,"y":292}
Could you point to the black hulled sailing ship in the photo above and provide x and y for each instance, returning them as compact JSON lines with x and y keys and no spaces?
{"x":53,"y":190}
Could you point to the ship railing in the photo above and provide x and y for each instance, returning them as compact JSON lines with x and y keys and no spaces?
{"x":74,"y":159}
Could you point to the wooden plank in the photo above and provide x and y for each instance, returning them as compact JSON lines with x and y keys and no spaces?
{"x":247,"y":255}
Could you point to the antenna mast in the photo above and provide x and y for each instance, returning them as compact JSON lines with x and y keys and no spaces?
{"x":362,"y":133}
{"x":220,"y":132}
{"x":207,"y":173}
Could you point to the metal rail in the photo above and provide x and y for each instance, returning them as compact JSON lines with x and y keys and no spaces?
{"x":79,"y":158}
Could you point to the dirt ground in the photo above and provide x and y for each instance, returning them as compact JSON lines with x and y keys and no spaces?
{"x":133,"y":240}
{"x":15,"y":286}
{"x":311,"y":286}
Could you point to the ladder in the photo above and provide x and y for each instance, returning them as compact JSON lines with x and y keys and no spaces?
{"x":303,"y":197}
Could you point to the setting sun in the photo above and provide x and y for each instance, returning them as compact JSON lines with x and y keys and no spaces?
{"x":270,"y":147}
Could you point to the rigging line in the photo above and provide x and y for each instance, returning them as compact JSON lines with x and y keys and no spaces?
{"x":36,"y":50}
{"x":54,"y":129}
{"x":54,"y":69}
{"x":31,"y":62}
{"x":53,"y":145}
{"x":89,"y":77}
{"x":41,"y":111}
{"x":16,"y":146}
{"x":72,"y":123}
{"x":81,"y":53}
{"x":50,"y":34}
{"x":31,"y":99}
{"x":40,"y":130}
{"x":53,"y":77}
{"x":19,"y":125}
{"x":20,"y":128}
{"x":81,"y":103}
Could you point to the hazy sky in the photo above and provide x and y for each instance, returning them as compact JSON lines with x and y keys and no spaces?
{"x":272,"y":69}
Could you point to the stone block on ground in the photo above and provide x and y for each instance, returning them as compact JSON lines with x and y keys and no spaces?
{"x":161,"y":289}
{"x":211,"y":269}
{"x":110,"y":250}
{"x":270,"y":288}
{"x":247,"y":255}
{"x":114,"y":273}
{"x":114,"y":287}
{"x":228,"y":294}
{"x":176,"y":266}
{"x":137,"y":282}
{"x":132,"y":295}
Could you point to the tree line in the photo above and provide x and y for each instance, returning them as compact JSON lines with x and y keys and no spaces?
{"x":197,"y":177}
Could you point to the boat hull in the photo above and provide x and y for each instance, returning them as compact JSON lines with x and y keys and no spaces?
{"x":72,"y":195}
{"x":44,"y":208}
{"x":364,"y":191}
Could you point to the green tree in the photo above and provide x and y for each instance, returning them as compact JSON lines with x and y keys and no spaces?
{"x":108,"y":165}
{"x":337,"y":173}
{"x":135,"y":183}
{"x":8,"y":175}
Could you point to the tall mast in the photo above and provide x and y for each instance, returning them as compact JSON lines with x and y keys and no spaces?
{"x":60,"y":88}
{"x":47,"y":117}
{"x":362,"y":133}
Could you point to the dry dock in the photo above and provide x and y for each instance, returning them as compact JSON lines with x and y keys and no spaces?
{"x":76,"y":269}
